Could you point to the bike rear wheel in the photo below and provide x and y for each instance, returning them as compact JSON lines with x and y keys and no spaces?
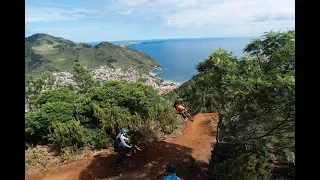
{"x":189,"y":116}
{"x":116,"y":161}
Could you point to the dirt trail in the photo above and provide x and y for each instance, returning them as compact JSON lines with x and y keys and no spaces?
{"x":199,"y":136}
{"x":190,"y":151}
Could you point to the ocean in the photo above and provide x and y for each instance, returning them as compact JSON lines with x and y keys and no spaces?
{"x":179,"y":57}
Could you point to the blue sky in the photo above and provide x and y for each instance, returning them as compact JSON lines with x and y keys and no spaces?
{"x":112,"y":20}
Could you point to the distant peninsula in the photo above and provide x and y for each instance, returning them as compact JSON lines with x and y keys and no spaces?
{"x":126,"y":44}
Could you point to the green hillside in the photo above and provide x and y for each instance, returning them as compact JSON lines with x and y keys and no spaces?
{"x":51,"y":53}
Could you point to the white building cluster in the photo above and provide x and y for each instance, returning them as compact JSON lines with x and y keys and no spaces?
{"x":64,"y":78}
{"x":104,"y":73}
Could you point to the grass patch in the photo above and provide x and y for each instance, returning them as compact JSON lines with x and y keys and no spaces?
{"x":43,"y":157}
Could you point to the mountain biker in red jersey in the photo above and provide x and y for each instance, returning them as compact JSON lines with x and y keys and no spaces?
{"x":178,"y":105}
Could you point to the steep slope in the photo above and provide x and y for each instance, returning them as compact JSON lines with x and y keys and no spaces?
{"x":44,"y":51}
{"x":193,"y":142}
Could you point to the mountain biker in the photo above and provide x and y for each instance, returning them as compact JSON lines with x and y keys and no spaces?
{"x":179,"y":106}
{"x":120,"y":145}
{"x":171,"y":170}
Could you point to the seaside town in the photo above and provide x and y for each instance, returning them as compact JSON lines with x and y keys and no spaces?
{"x":103,"y":73}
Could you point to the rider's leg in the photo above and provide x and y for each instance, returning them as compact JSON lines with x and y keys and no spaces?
{"x":126,"y":150}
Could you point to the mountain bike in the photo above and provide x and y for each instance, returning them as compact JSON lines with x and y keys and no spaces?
{"x":124,"y":158}
{"x":187,"y":115}
{"x":184,"y":113}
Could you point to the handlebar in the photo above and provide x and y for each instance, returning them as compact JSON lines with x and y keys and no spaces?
{"x":137,"y":148}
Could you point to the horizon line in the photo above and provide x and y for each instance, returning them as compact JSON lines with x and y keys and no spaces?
{"x":168,"y":39}
{"x":148,"y":39}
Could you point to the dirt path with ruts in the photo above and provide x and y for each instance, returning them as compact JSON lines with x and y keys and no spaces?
{"x":190,"y":151}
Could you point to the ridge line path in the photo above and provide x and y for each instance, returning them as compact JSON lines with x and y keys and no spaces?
{"x":189,"y":148}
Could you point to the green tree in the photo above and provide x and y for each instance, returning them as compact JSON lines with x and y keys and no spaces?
{"x":68,"y":134}
{"x":38,"y":122}
{"x":96,"y":137}
{"x":34,"y":85}
{"x":100,"y":109}
{"x":61,"y":94}
{"x":118,"y":104}
{"x":255,"y":98}
{"x":82,"y":77}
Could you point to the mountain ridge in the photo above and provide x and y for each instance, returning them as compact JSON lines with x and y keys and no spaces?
{"x":47,"y":52}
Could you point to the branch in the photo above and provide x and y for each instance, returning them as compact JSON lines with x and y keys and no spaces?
{"x":276,"y":127}
{"x":269,"y":133}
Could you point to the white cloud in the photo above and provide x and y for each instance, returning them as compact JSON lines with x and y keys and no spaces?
{"x":34,"y":14}
{"x":232,"y":13}
{"x":60,"y":29}
{"x":132,"y":2}
{"x":124,"y":12}
{"x":151,"y":6}
{"x":207,"y":18}
{"x":224,"y":15}
{"x":176,"y":3}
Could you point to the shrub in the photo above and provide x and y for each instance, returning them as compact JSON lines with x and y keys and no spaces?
{"x":37,"y":122}
{"x":95,"y":137}
{"x":146,"y":131}
{"x":34,"y":127}
{"x":100,"y":109}
{"x":237,"y":161}
{"x":62,"y":94}
{"x":57,"y":112}
{"x":68,"y":134}
{"x":39,"y":158}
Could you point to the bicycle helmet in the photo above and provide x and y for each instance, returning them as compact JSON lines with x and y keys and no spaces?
{"x":124,"y":130}
{"x":171,"y":168}
{"x":178,"y":102}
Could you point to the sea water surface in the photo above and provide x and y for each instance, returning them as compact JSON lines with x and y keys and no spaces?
{"x":179,"y":57}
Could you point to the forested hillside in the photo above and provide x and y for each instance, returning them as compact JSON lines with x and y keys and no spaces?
{"x":255,"y":98}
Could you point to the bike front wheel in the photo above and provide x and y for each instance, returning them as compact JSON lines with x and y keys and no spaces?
{"x":189,"y":116}
{"x":142,"y":147}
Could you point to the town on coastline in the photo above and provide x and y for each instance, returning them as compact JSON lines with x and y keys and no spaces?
{"x":104,"y":73}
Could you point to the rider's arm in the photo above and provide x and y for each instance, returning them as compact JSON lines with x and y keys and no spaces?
{"x":122,"y":138}
{"x":127,"y":139}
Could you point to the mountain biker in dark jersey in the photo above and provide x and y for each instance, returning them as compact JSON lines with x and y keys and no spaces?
{"x":120,"y":145}
{"x":171,"y":171}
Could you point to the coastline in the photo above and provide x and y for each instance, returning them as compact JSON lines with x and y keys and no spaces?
{"x":165,"y":80}
{"x":164,"y":86}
